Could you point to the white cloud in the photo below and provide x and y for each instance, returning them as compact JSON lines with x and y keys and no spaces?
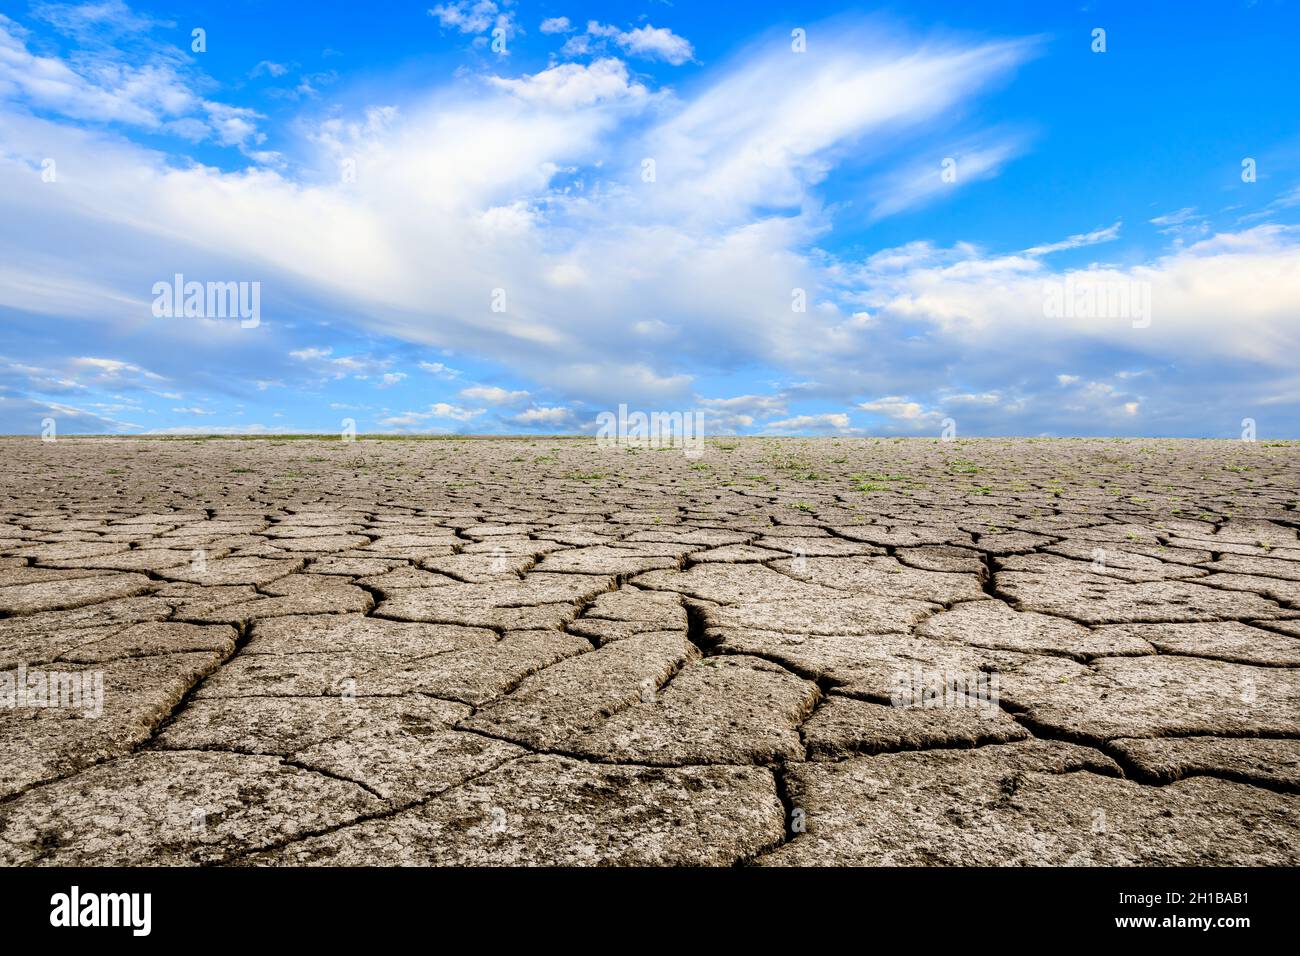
{"x":438,"y":410}
{"x":269,"y":68}
{"x":901,"y":409}
{"x":94,"y":23}
{"x":1184,"y":224}
{"x":464,"y":193}
{"x":571,"y":85}
{"x":923,"y":184}
{"x":543,"y":415}
{"x":656,"y":43}
{"x":830,"y":421}
{"x":556,"y":25}
{"x":534,"y":185}
{"x":493,"y":395}
{"x":325,"y":363}
{"x":465,"y":16}
{"x":103,"y":85}
{"x":1077,"y":241}
{"x":103,"y":371}
{"x":474,"y":16}
{"x":969,"y":298}
{"x":647,"y":42}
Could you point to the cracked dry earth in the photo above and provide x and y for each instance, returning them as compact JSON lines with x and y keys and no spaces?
{"x":549,"y":652}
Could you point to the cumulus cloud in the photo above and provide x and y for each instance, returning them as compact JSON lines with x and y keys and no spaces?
{"x":549,"y":416}
{"x":438,"y":410}
{"x":476,"y":16}
{"x":827,"y":422}
{"x":571,"y":85}
{"x":656,"y":43}
{"x":493,"y":395}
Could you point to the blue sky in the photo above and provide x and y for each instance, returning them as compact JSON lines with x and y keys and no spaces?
{"x":492,"y":217}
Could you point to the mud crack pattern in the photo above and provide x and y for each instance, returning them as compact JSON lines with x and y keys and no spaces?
{"x":781,"y":652}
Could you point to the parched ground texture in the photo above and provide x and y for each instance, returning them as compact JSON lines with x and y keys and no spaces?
{"x":781,"y":652}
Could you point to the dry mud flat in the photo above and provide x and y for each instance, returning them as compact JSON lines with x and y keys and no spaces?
{"x":782,"y":652}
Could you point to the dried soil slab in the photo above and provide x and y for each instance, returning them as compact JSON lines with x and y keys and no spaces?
{"x":1285,"y":627}
{"x":993,"y":624}
{"x":354,"y":634}
{"x":405,"y":577}
{"x":1094,"y":599}
{"x":322,"y":543}
{"x":66,"y":551}
{"x":1276,"y":589}
{"x":334,"y":599}
{"x":1225,"y":641}
{"x":601,"y":631}
{"x":45,"y":636}
{"x":547,"y":810}
{"x":722,"y":710}
{"x":68,"y":594}
{"x":141,"y":559}
{"x":865,"y":665}
{"x":1105,"y":560}
{"x":692,"y":537}
{"x":361,"y":674}
{"x":943,"y":558}
{"x":1268,"y":763}
{"x":285,"y":530}
{"x":476,"y":675}
{"x":887,"y":577}
{"x":737,"y":554}
{"x":254,"y":571}
{"x":663,"y":610}
{"x":844,"y":727}
{"x":1034,"y":803}
{"x":902,"y":537}
{"x":404,"y":759}
{"x":188,"y":601}
{"x":536,"y":601}
{"x":44,"y":743}
{"x":400,"y":748}
{"x":350,"y":564}
{"x":152,"y":638}
{"x":1154,"y":696}
{"x":173,"y":809}
{"x":477,"y":568}
{"x":603,"y":559}
{"x":1011,"y":542}
{"x":22,"y":574}
{"x":581,"y":692}
{"x":815,"y":547}
{"x":1257,"y":532}
{"x":846,"y":616}
{"x":281,"y":725}
{"x":516,"y":547}
{"x":734,"y":584}
{"x":1268,"y":567}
